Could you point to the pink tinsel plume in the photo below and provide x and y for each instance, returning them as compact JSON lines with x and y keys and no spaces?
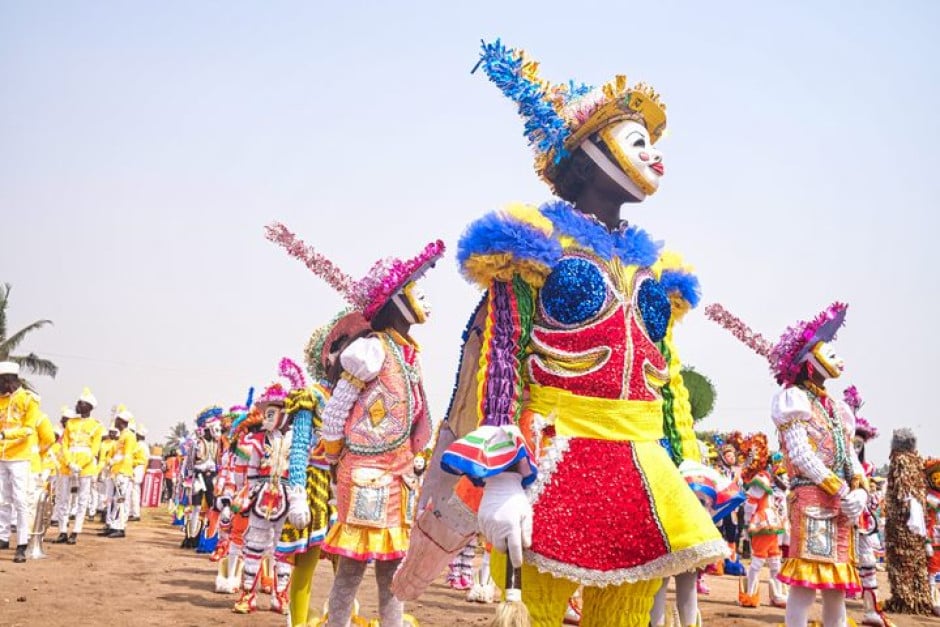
{"x":852,"y":398}
{"x":315,"y":261}
{"x":292,"y":372}
{"x":757,"y":342}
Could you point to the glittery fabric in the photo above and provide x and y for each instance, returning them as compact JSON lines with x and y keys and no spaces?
{"x":498,"y":402}
{"x":598,"y":516}
{"x":654,"y":308}
{"x":574,"y":292}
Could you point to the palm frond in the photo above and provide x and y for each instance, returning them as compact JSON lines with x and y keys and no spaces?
{"x":9,"y":345}
{"x":4,"y":298}
{"x":35,"y":364}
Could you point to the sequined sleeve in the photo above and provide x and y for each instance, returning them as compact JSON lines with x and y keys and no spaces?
{"x":496,"y":445}
{"x":790,"y":411}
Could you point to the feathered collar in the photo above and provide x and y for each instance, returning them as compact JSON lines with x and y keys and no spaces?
{"x":631,"y":244}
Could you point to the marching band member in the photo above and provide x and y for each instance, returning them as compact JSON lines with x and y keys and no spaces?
{"x":80,"y":444}
{"x":19,"y":414}
{"x":122,"y":474}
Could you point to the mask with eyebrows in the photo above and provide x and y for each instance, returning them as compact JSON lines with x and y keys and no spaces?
{"x":825,"y":361}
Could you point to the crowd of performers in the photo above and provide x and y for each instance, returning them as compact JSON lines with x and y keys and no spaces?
{"x":62,"y":474}
{"x":569,"y":443}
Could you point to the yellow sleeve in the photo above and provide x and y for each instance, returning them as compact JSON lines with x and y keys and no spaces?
{"x":30,"y":418}
{"x":681,"y":409}
{"x":96,"y":441}
{"x":46,"y":434}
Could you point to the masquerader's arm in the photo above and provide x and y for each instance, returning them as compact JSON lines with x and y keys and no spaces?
{"x":303,"y":405}
{"x":790,"y":411}
{"x":510,"y":254}
{"x":682,"y":286}
{"x":362,"y":360}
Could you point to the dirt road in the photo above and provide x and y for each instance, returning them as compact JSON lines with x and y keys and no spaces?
{"x":145,"y":579}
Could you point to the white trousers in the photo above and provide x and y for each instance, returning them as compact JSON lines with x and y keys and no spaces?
{"x":134,"y":506}
{"x":14,"y":480}
{"x":63,"y":498}
{"x":119,"y":502}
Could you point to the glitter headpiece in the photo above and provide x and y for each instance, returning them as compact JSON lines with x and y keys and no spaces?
{"x":863,"y":428}
{"x":558,"y":118}
{"x":277,"y":393}
{"x":370,"y":293}
{"x":345,"y":324}
{"x":208,"y":415}
{"x":786,"y":356}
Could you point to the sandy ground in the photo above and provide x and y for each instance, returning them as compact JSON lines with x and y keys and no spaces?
{"x":145,"y":579}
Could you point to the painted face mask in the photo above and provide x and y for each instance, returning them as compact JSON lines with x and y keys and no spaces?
{"x":214,"y":430}
{"x":825,"y":361}
{"x":635,"y":165}
{"x":413,"y":303}
{"x":273,"y":416}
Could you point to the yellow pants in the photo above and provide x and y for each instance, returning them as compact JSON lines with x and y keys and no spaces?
{"x":546,"y":597}
{"x":304,"y":566}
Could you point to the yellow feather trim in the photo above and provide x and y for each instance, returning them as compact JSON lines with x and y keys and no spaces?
{"x":529,"y":214}
{"x":484,"y":269}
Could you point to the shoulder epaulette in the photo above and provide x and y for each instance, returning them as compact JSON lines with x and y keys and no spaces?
{"x":679,"y":281}
{"x":501,"y":244}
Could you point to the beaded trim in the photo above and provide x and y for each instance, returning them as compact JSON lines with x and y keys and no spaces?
{"x":549,"y":459}
{"x":665,"y":566}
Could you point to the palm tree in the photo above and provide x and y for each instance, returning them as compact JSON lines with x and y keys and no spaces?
{"x":31,"y":363}
{"x":177,"y":434}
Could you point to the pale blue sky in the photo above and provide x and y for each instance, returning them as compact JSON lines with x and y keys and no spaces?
{"x":143,"y":148}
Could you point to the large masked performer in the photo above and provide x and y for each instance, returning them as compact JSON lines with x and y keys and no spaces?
{"x":268,"y":498}
{"x":569,"y":375}
{"x":906,"y":536}
{"x":932,"y":472}
{"x":80,"y":444}
{"x":869,"y":543}
{"x":374,"y":424}
{"x":826,"y":478}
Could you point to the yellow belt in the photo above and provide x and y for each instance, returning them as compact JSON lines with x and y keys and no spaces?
{"x":598,"y":418}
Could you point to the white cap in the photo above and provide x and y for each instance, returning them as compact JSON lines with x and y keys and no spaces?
{"x":9,"y":367}
{"x":142,"y":431}
{"x":125,"y":415}
{"x":88,"y":397}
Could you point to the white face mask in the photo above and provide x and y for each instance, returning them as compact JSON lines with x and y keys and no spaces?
{"x":215,"y":431}
{"x":642,"y":163}
{"x":272,"y":417}
{"x":413,"y":304}
{"x":825,"y":361}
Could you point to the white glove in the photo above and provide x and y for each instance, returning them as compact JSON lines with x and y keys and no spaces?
{"x":505,"y":515}
{"x":854,"y":502}
{"x":75,"y":469}
{"x":929,"y":551}
{"x":298,"y":510}
{"x":916,"y":522}
{"x":225,"y":516}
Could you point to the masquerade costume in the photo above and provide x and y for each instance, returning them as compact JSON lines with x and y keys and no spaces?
{"x":826,"y":478}
{"x":869,"y":543}
{"x":764,"y":526}
{"x":569,"y":375}
{"x":373,"y":425}
{"x":203,"y":467}
{"x":309,"y":477}
{"x":932,"y":472}
{"x":268,"y":499}
{"x":906,"y":538}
